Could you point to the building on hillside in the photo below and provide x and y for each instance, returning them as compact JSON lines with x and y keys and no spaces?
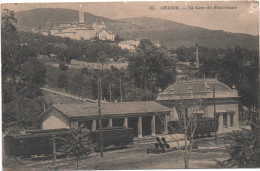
{"x":81,"y":31}
{"x":99,"y":27}
{"x":45,"y":32}
{"x":129,"y":44}
{"x":77,"y":63}
{"x":106,"y":35}
{"x":145,"y":117}
{"x":50,"y":57}
{"x":226,"y":101}
{"x":157,"y":44}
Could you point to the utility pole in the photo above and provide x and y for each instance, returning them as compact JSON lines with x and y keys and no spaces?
{"x":100,"y":119}
{"x":121,"y":90}
{"x":215,"y":118}
{"x":44,"y":107}
{"x":101,"y":86}
{"x":186,"y":162}
{"x":54,"y":149}
{"x":110,"y":93}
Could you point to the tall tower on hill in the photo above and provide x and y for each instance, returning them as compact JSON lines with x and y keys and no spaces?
{"x":81,"y":15}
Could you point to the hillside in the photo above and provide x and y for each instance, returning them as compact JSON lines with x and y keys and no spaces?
{"x":168,"y":33}
{"x":47,"y":18}
{"x":174,"y":34}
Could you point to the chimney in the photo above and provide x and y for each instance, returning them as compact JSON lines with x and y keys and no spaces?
{"x":197,"y":55}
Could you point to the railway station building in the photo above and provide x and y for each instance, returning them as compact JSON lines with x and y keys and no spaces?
{"x":197,"y":98}
{"x":145,"y":117}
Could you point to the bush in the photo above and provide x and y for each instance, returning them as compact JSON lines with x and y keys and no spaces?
{"x":85,"y":70}
{"x":62,"y":81}
{"x":244,"y":150}
{"x":63,"y":67}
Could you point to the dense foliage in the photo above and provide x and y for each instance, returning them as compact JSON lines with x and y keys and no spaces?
{"x":22,"y":77}
{"x":238,"y":66}
{"x":67,"y":49}
{"x":244,"y":150}
{"x":150,"y":68}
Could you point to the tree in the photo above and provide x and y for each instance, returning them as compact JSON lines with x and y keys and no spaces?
{"x":144,"y":43}
{"x":186,"y":125}
{"x":63,"y":67}
{"x":77,"y":144}
{"x":152,"y":67}
{"x":117,"y":38}
{"x":239,"y":67}
{"x":62,"y":80}
{"x":187,"y":111}
{"x":85,"y":71}
{"x":22,"y":77}
{"x":9,"y":31}
{"x":244,"y":150}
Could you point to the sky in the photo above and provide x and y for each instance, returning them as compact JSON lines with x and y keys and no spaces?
{"x":243,"y":17}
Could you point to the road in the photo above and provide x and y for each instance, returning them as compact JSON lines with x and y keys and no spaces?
{"x":68,"y":95}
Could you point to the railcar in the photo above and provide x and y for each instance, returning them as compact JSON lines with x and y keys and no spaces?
{"x":114,"y":136}
{"x":39,"y":142}
{"x":203,"y":126}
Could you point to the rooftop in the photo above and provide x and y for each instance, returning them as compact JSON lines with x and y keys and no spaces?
{"x":200,"y":87}
{"x":119,"y":108}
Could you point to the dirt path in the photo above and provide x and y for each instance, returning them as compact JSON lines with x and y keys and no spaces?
{"x":68,"y":95}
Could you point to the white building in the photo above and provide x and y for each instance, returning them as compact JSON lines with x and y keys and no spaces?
{"x":81,"y":31}
{"x":91,"y":65}
{"x":106,"y":35}
{"x":129,"y":44}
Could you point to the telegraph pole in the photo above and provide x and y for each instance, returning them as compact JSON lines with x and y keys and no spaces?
{"x":54,"y":149}
{"x":121,"y":91}
{"x":215,"y":118}
{"x":110,"y":93}
{"x":100,"y":120}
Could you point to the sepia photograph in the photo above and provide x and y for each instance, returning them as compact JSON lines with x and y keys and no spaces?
{"x":130,"y":85}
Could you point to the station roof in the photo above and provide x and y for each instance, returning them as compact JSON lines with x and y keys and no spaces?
{"x":201,"y":87}
{"x":109,"y":109}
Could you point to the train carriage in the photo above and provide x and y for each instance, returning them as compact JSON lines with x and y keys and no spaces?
{"x":114,"y":136}
{"x":39,"y":142}
{"x":203,"y":126}
{"x":36,"y":142}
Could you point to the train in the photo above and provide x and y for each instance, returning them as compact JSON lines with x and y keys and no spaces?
{"x":116,"y":136}
{"x":39,"y":142}
{"x":203,"y":126}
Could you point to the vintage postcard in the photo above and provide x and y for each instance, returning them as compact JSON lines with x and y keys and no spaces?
{"x":130,"y":85}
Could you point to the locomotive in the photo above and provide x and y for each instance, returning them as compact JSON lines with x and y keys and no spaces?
{"x":39,"y":142}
